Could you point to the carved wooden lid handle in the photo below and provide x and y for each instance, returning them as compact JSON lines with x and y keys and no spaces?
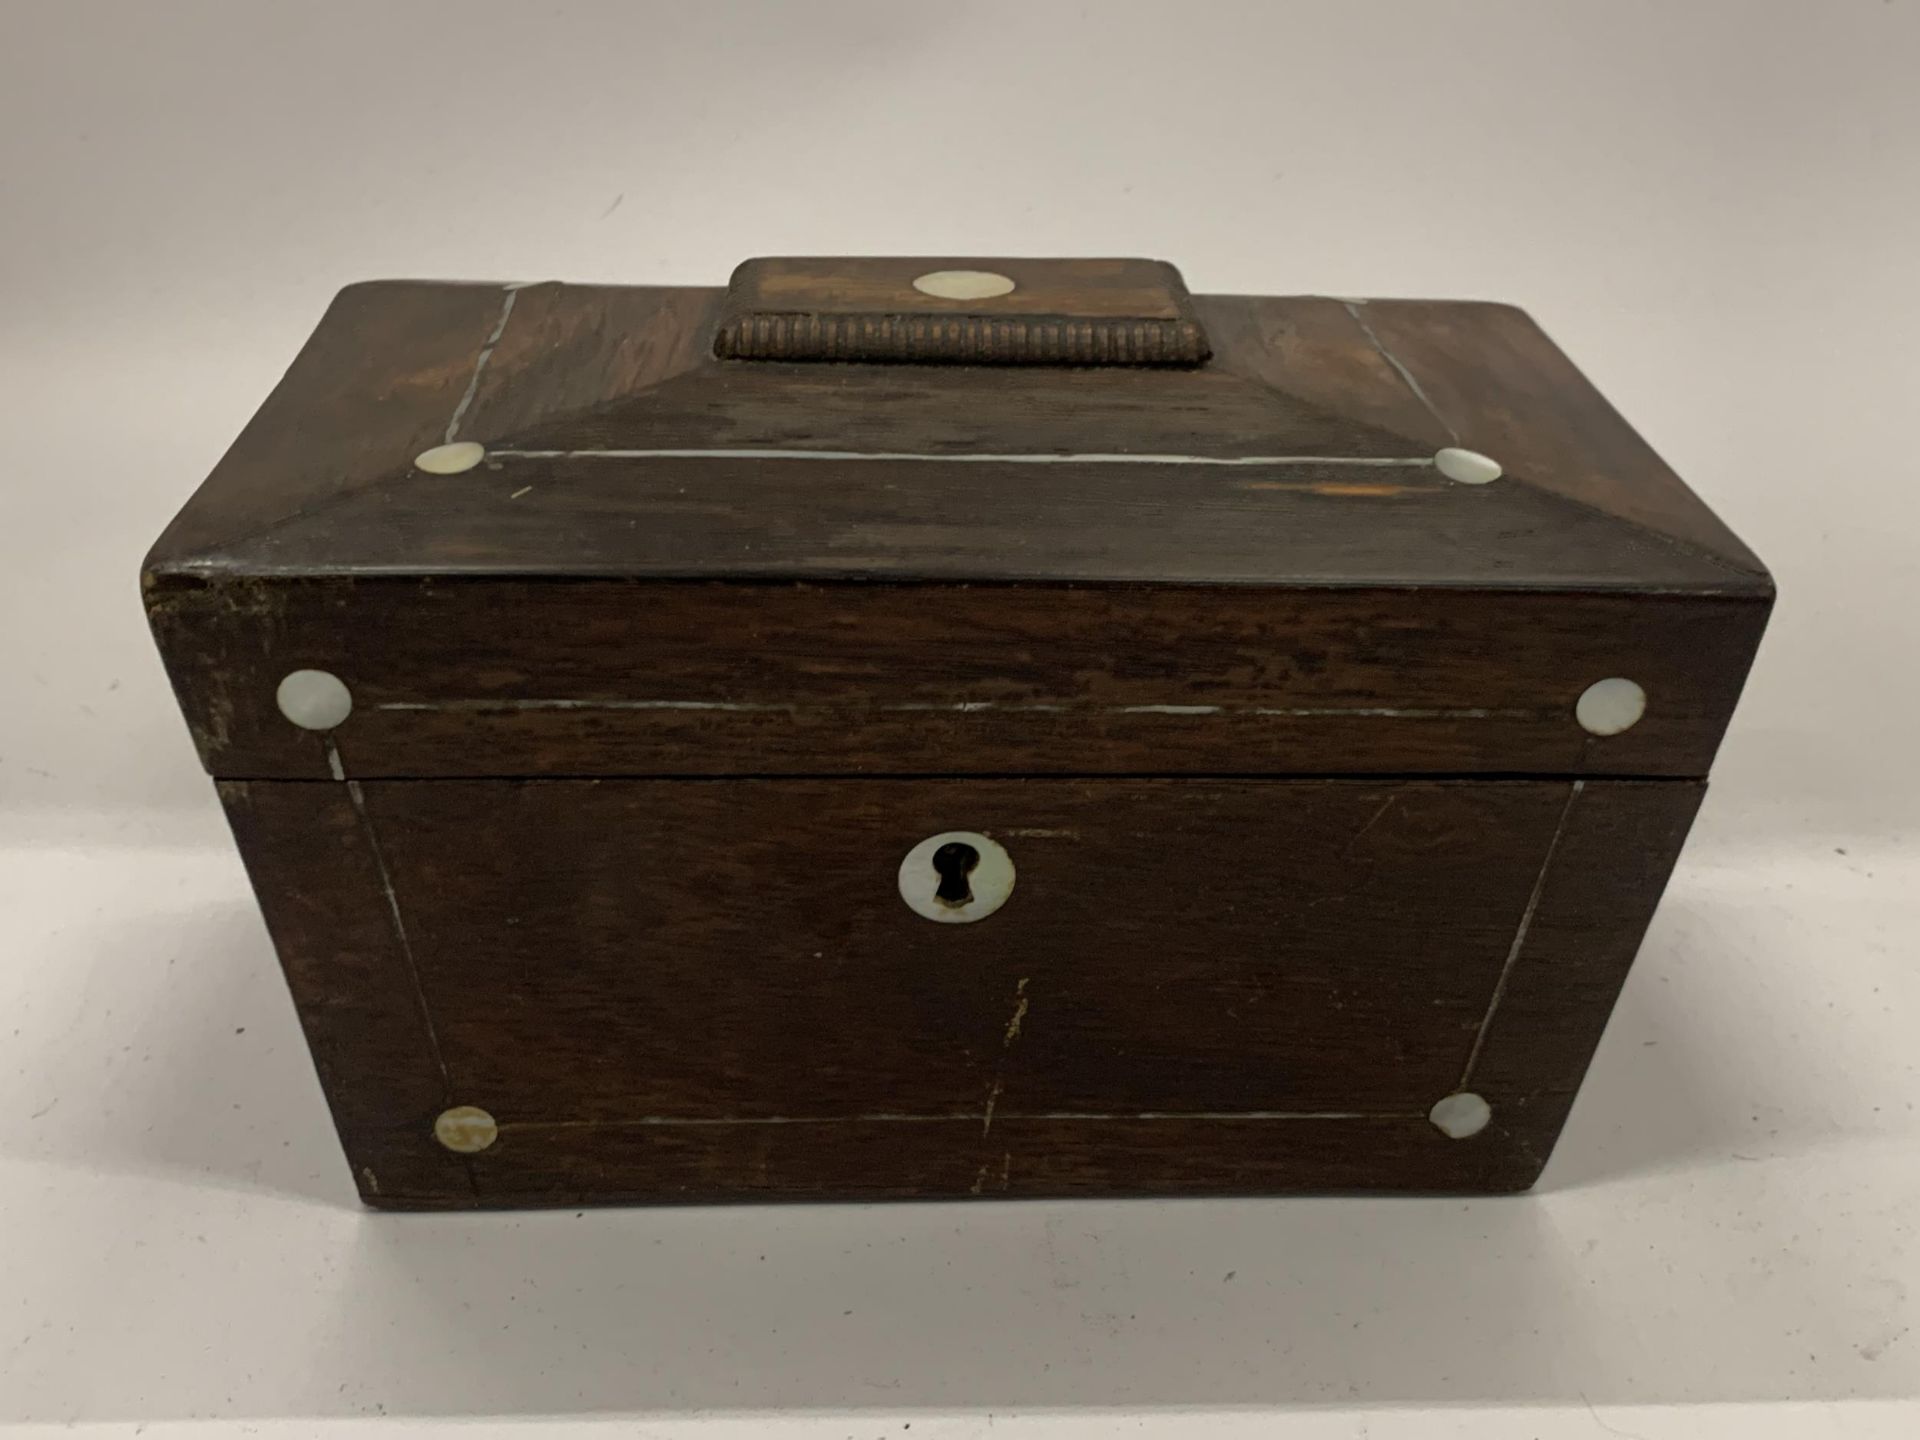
{"x":960,"y":312}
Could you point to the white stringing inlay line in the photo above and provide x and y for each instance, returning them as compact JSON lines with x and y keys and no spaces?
{"x":1520,"y":935}
{"x":359,"y":799}
{"x":480,"y":363}
{"x":969,"y":707}
{"x":1410,"y":461}
{"x":961,"y":1117}
{"x":1406,"y":375}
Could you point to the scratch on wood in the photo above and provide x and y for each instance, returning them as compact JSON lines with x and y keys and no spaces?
{"x":400,"y":933}
{"x":480,"y":363}
{"x":249,"y":598}
{"x":1378,"y":816}
{"x":979,"y":1180}
{"x":1019,"y":1014}
{"x":1006,"y":1167}
{"x":373,"y":1183}
{"x":1406,"y":375}
{"x":1327,"y":487}
{"x":521,"y":491}
{"x":1040,"y":833}
{"x":1331,"y":489}
{"x":1520,"y":935}
{"x":219,"y":711}
{"x":1006,"y":1043}
{"x":993,"y":1098}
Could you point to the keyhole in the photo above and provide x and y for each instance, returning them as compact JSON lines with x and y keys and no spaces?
{"x":955,"y":877}
{"x":953,"y":863}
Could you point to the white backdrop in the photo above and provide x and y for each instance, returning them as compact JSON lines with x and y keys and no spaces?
{"x":1714,"y":207}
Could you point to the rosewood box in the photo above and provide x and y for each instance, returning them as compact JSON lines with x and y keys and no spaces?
{"x":943,"y":728}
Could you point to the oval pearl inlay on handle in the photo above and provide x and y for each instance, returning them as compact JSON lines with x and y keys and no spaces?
{"x":963,"y":284}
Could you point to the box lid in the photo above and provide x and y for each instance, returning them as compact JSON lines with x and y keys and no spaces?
{"x":944,"y":516}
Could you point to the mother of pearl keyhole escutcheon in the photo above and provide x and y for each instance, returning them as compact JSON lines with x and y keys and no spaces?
{"x":956,"y":877}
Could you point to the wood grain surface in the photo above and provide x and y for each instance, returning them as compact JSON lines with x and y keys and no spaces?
{"x":1277,"y":721}
{"x":1056,"y":312}
{"x":1150,"y":612}
{"x":472,"y":677}
{"x":343,"y":945}
{"x":1141,"y":559}
{"x":576,"y":391}
{"x":667,"y":989}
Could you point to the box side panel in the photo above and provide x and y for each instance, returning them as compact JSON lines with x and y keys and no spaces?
{"x":1500,"y":385}
{"x":371,"y":389}
{"x":706,"y":990}
{"x":398,"y":367}
{"x":1615,"y":849}
{"x":317,"y":868}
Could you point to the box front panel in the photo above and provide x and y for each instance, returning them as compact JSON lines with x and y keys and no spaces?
{"x":714,"y":989}
{"x":460,"y":679}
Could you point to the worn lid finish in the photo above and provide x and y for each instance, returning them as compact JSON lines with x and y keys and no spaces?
{"x":546,"y":529}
